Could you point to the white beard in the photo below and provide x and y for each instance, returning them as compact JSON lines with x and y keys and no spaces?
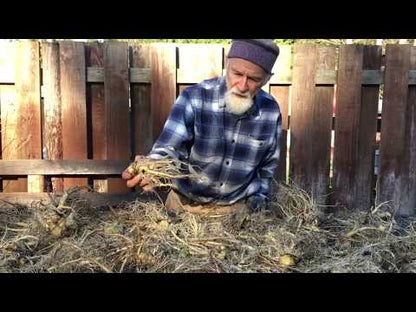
{"x":235,"y":104}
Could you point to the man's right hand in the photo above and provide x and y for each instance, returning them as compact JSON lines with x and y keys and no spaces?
{"x":137,"y":180}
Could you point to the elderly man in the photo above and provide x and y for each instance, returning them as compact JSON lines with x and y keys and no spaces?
{"x":229,"y":129}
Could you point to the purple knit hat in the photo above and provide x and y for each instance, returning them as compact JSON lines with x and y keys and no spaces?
{"x":262,"y":52}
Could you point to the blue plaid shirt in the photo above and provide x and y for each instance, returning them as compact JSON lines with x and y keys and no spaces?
{"x":237,"y":154}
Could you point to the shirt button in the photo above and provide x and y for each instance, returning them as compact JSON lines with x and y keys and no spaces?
{"x":227,"y":162}
{"x":233,"y":141}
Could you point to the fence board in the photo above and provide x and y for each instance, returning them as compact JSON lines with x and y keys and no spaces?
{"x":198,"y":62}
{"x":303,"y":84}
{"x":23,"y":126}
{"x":163,"y":84}
{"x":74,"y":112}
{"x":356,"y":125}
{"x":348,"y":103}
{"x":311,"y":117}
{"x":116,"y":97}
{"x":281,"y":94}
{"x":11,"y":142}
{"x":62,"y":167}
{"x":52,"y":107}
{"x":365,"y":179}
{"x":141,"y":103}
{"x":408,"y":193}
{"x":321,"y":127}
{"x":95,"y":104}
{"x":393,"y":126}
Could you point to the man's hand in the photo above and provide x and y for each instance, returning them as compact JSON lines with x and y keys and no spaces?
{"x":257,"y":203}
{"x":138,"y":180}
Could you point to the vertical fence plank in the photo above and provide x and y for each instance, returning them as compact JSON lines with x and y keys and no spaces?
{"x":321,"y":127}
{"x":347,"y":123}
{"x":408,"y":184}
{"x":393,"y":125}
{"x":74,"y":111}
{"x":95,"y":103}
{"x":304,"y":72}
{"x":23,"y":125}
{"x":7,"y":98}
{"x":365,"y":179}
{"x":163,"y":84}
{"x":140,"y":57}
{"x":116,"y":97}
{"x":52,"y":115}
{"x":281,"y":92}
{"x":311,"y":115}
{"x":199,"y":62}
{"x":356,"y":127}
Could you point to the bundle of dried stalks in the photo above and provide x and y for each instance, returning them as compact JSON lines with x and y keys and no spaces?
{"x":161,"y":172}
{"x":69,"y":235}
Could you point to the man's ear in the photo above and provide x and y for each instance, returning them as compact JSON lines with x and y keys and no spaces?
{"x":267,"y":78}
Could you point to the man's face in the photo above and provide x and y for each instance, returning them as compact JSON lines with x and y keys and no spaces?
{"x":244,"y":79}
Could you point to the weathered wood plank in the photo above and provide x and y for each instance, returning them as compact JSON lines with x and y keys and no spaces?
{"x":393,"y":126}
{"x":116,"y":97}
{"x":11,"y":143}
{"x":62,"y":167}
{"x":140,"y":56}
{"x":35,"y":183}
{"x":163,"y":93}
{"x":365,"y":179}
{"x":356,"y":125}
{"x":303,"y":91}
{"x":404,"y":198}
{"x":23,"y":125}
{"x":93,"y":199}
{"x":321,"y":128}
{"x":137,"y":75}
{"x":7,"y":51}
{"x":281,"y":94}
{"x":348,"y":105}
{"x":95,"y":104}
{"x":199,"y":62}
{"x":52,"y":107}
{"x":281,"y":69}
{"x":74,"y":108}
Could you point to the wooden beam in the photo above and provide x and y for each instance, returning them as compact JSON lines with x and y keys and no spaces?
{"x":62,"y":167}
{"x":94,"y":199}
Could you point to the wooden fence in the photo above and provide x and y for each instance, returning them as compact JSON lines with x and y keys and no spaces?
{"x":78,"y":113}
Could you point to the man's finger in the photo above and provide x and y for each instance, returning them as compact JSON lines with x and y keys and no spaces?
{"x":126,"y":175}
{"x":134,"y":181}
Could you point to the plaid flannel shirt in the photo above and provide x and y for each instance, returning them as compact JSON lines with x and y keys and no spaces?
{"x":237,"y":154}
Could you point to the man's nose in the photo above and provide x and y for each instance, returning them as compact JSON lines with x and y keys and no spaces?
{"x":242,"y":84}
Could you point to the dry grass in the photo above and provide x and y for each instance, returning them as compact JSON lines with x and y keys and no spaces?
{"x":69,"y":235}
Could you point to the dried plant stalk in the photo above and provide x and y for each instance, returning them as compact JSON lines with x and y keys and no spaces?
{"x":161,"y":172}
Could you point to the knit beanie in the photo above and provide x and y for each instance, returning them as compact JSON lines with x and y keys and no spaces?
{"x":262,"y":52}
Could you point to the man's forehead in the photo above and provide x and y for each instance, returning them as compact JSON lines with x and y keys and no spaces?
{"x":244,"y":65}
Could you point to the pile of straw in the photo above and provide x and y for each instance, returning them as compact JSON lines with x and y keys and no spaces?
{"x":70,"y":235}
